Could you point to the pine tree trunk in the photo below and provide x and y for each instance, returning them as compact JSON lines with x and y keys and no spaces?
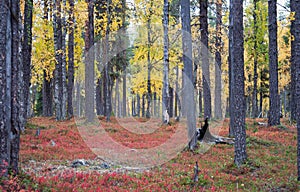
{"x":89,"y":65}
{"x":125,"y":59}
{"x":274,"y":113}
{"x":47,"y":96}
{"x":188,"y":92}
{"x":149,"y":66}
{"x":64,"y":62}
{"x":255,"y":74}
{"x":26,"y":51}
{"x":218,"y":62}
{"x":230,"y":69}
{"x":295,"y":61}
{"x":71,"y":59}
{"x":238,"y":95}
{"x":138,"y":105}
{"x":58,"y":72}
{"x":165,"y":92}
{"x":204,"y":57}
{"x":171,"y":101}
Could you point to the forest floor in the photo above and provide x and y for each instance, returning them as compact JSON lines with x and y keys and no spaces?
{"x":48,"y":161}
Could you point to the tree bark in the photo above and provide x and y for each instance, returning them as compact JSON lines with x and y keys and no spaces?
{"x":218,"y":62}
{"x":274,"y":113}
{"x":295,"y":61}
{"x":58,"y":72}
{"x":89,"y":65}
{"x":26,"y":51}
{"x":165,"y":92}
{"x":188,"y":86}
{"x":238,"y":95}
{"x":255,"y":74}
{"x":71,"y":59}
{"x":204,"y":57}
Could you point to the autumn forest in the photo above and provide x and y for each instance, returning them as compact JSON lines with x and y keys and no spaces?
{"x":171,"y":95}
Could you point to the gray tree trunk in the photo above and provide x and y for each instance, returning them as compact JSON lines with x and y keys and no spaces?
{"x":58,"y":72}
{"x":165,"y":91}
{"x":71,"y":59}
{"x":255,"y":74}
{"x":237,"y":82}
{"x":188,"y":88}
{"x":218,"y":62}
{"x":274,"y":113}
{"x":295,"y":61}
{"x":89,"y":65}
{"x":26,"y":51}
{"x":204,"y":58}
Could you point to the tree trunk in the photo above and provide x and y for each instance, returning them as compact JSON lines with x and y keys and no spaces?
{"x":47,"y":96}
{"x":26,"y":51}
{"x":107,"y":64}
{"x":125,"y":59}
{"x":11,"y":87}
{"x":171,"y":101}
{"x":138,"y":105}
{"x":218,"y":62}
{"x":143,"y":105}
{"x":64,"y":62}
{"x":204,"y":57}
{"x":149,"y":66}
{"x":295,"y":61}
{"x":71,"y":59}
{"x":238,"y":95}
{"x":188,"y":92}
{"x":255,"y":75}
{"x":274,"y":113}
{"x":165,"y":92}
{"x":89,"y":65}
{"x":58,"y":72}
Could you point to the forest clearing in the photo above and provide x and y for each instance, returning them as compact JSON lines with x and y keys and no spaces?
{"x":270,"y":166}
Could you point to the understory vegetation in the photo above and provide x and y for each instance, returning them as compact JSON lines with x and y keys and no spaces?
{"x":45,"y":161}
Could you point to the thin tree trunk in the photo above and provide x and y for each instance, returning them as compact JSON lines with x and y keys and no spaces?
{"x":89,"y":65}
{"x":58,"y":92}
{"x":26,"y":51}
{"x":165,"y":92}
{"x":204,"y":57}
{"x":71,"y":59}
{"x":47,"y":96}
{"x":255,"y":75}
{"x":218,"y":62}
{"x":138,"y":105}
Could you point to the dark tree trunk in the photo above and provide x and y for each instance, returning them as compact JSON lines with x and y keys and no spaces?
{"x":89,"y":65}
{"x":26,"y":52}
{"x":218,"y":62}
{"x":149,"y":66}
{"x":171,"y":101}
{"x":200,"y":103}
{"x":230,"y":69}
{"x":204,"y":57}
{"x":155,"y":104}
{"x":11,"y":87}
{"x":47,"y":82}
{"x":125,"y":59}
{"x":58,"y":72}
{"x":47,"y":96}
{"x":177,"y":113}
{"x":274,"y":113}
{"x":165,"y":91}
{"x":71,"y":59}
{"x":138,"y":105}
{"x":107,"y":64}
{"x":295,"y":61}
{"x":188,"y":92}
{"x":143,"y":105}
{"x":237,"y":83}
{"x":255,"y":74}
{"x":99,"y":97}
